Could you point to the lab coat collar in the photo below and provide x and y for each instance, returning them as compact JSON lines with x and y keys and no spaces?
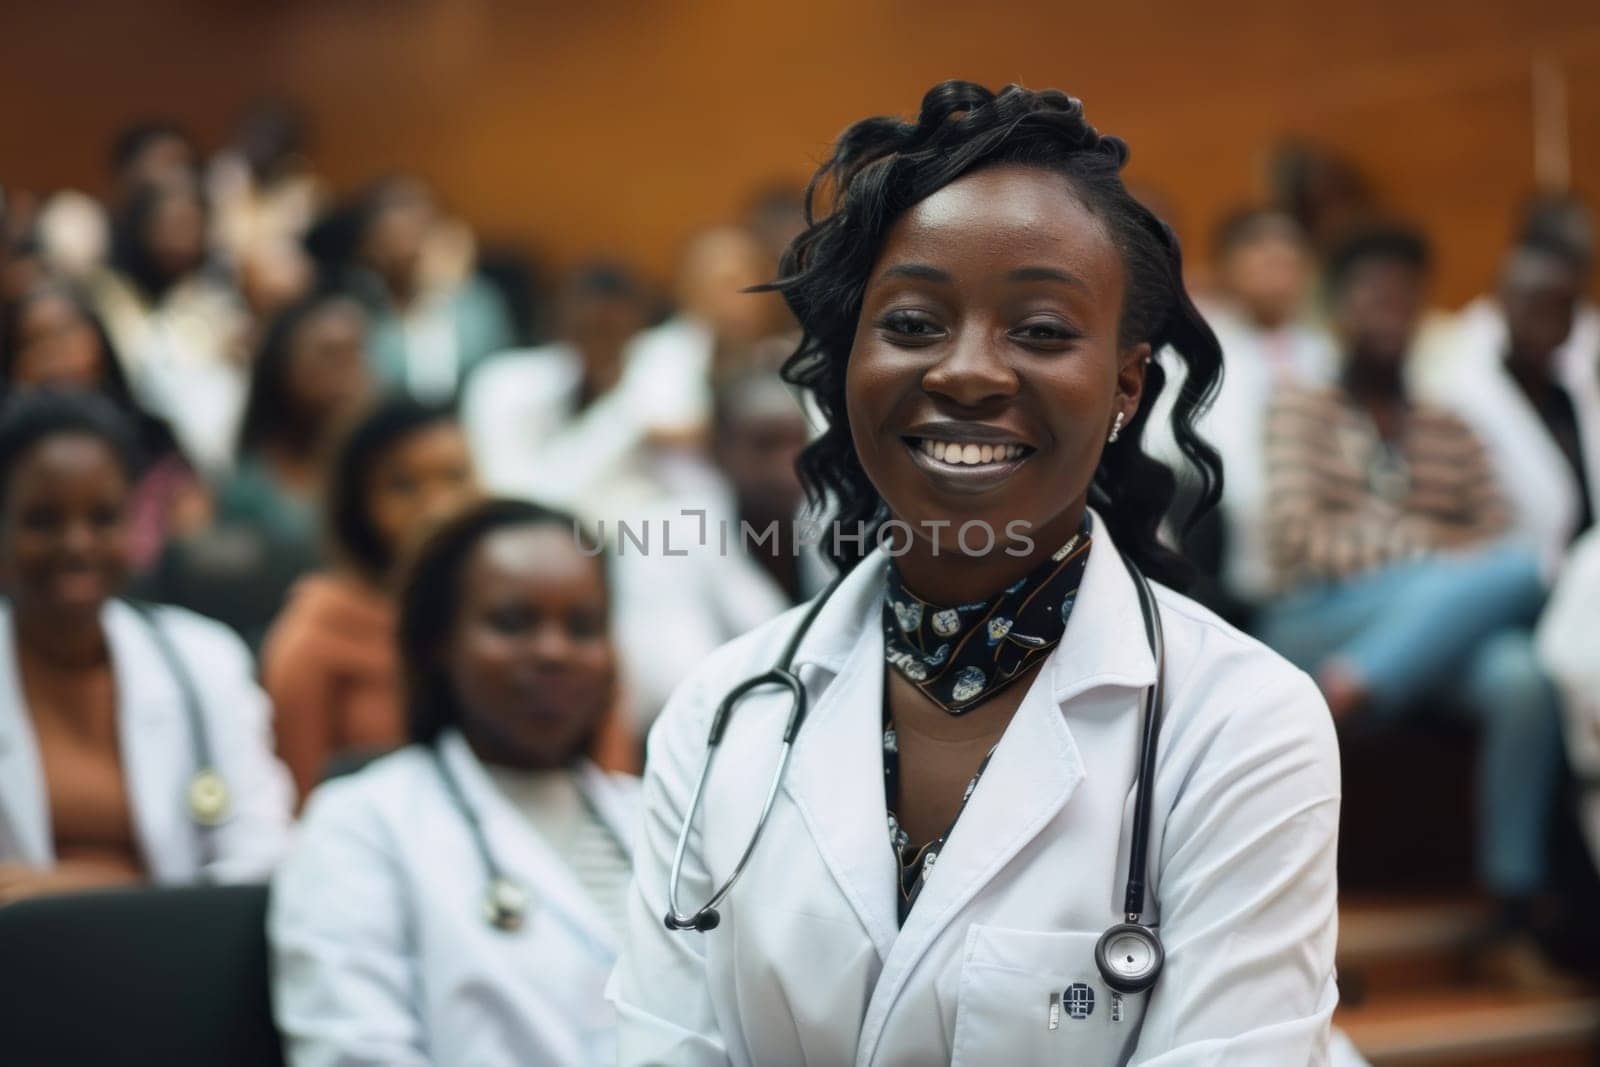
{"x":836,"y":781}
{"x":522,"y":852}
{"x":1104,"y":643}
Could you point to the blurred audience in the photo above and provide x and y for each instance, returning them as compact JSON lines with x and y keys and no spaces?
{"x":329,"y":662}
{"x":310,"y":372}
{"x":23,"y":266}
{"x":462,"y":900}
{"x":176,"y":325}
{"x":104,"y":704}
{"x":1385,"y":524}
{"x":433,"y":319}
{"x":74,"y":235}
{"x":1527,"y":378}
{"x":272,"y":274}
{"x":151,"y":152}
{"x":570,"y":422}
{"x":717,"y":326}
{"x":728,"y":554}
{"x":50,"y":338}
{"x":1321,"y":189}
{"x":262,"y":189}
{"x":1264,"y":271}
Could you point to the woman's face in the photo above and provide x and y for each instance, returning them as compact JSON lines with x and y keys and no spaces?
{"x":393,"y":246}
{"x":64,"y":528}
{"x":1377,"y":310}
{"x":1270,"y":274}
{"x":986,"y":371}
{"x":531,"y":658}
{"x":327,"y":365}
{"x":57,"y":346}
{"x":175,"y":233}
{"x":422,"y":479}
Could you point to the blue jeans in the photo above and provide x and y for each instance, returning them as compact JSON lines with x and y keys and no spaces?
{"x":1458,"y":626}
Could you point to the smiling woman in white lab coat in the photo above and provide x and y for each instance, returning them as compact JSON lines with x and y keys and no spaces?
{"x":135,"y":745}
{"x":460,"y":900}
{"x":953,"y":833}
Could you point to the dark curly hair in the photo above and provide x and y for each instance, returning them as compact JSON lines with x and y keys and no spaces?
{"x":880,"y":167}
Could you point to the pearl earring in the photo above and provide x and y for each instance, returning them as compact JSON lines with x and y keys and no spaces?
{"x":1116,"y":429}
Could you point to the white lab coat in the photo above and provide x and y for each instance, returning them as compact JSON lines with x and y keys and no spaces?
{"x":157,"y":752}
{"x":808,"y":965}
{"x":1532,"y":471}
{"x":178,"y":356}
{"x":381,"y":952}
{"x":526,"y":441}
{"x":1568,"y":642}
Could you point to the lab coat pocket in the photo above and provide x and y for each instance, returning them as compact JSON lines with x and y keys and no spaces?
{"x":1036,"y":996}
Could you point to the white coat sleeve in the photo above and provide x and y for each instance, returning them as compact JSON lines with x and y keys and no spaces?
{"x":1247,"y":887}
{"x":344,"y":981}
{"x":1569,"y":632}
{"x":239,"y":717}
{"x":1568,"y":642}
{"x":660,"y":986}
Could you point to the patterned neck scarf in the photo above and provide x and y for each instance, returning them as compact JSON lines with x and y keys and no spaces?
{"x":961,"y":656}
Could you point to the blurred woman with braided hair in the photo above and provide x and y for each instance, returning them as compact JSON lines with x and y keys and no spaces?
{"x":978,"y":849}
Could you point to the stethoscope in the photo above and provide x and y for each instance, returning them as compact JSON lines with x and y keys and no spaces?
{"x":1129,"y":954}
{"x":506,"y":902}
{"x":210,"y":801}
{"x":208,"y":798}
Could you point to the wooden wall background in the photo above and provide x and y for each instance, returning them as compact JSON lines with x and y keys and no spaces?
{"x":581,"y":127}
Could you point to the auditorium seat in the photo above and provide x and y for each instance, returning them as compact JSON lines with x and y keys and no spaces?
{"x":164,"y":977}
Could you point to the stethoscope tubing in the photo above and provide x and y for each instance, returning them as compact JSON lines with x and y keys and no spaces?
{"x":707,"y":917}
{"x":496,"y":874}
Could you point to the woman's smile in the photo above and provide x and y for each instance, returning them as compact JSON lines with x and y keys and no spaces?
{"x":966,"y":457}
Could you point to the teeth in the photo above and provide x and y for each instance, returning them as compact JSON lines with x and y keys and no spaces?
{"x":958,"y":454}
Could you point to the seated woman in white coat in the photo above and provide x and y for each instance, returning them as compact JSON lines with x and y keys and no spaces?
{"x":135,"y":745}
{"x":460,"y":901}
{"x":978,"y":853}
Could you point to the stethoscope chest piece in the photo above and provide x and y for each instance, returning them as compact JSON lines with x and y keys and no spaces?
{"x":209,"y":800}
{"x":505,"y":904}
{"x":1129,"y":956}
